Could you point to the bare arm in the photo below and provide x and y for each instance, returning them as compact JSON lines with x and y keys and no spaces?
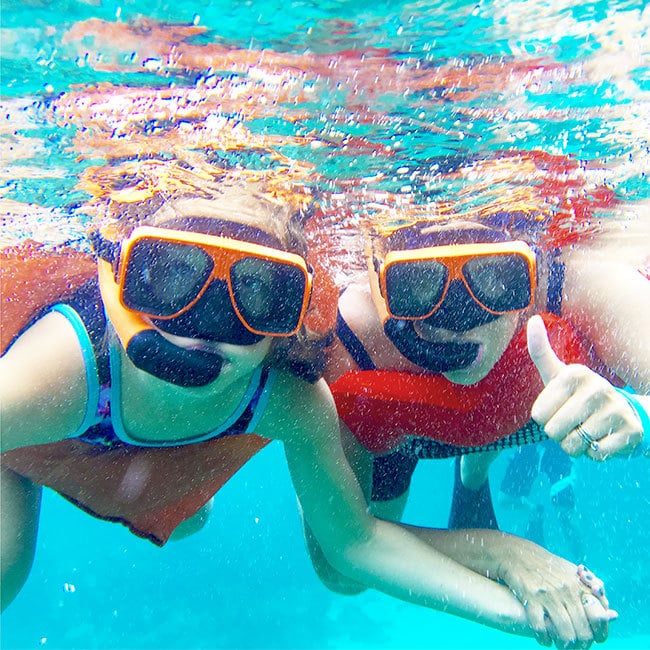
{"x":42,"y":398}
{"x":42,"y":385}
{"x":608,"y":298}
{"x":376,"y":553}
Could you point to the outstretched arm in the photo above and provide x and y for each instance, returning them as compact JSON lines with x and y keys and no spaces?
{"x":42,"y":399}
{"x":19,"y":508}
{"x":387,"y":556}
{"x":607,"y":296}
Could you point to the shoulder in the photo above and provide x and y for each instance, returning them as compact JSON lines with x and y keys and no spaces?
{"x":297,"y":409}
{"x":51,"y":336}
{"x":360,"y":330}
{"x":43,"y":383}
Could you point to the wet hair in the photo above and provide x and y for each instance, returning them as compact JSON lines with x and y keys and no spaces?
{"x":424,"y":235}
{"x":269,"y":209}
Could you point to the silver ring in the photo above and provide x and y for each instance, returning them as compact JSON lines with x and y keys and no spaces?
{"x":586,"y":437}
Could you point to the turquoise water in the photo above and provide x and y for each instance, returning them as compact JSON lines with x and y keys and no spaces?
{"x":246,"y":582}
{"x":384,"y":97}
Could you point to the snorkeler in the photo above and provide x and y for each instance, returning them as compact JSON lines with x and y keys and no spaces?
{"x":141,"y":414}
{"x":433,"y":359}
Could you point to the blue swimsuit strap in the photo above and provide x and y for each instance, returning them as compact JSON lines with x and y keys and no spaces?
{"x":248,"y":420}
{"x":243,"y":419}
{"x":90,"y":364}
{"x":555,"y":283}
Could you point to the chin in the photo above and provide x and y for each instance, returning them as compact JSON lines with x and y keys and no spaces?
{"x":475,"y":372}
{"x":466,"y":376}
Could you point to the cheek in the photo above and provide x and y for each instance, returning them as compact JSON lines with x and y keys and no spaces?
{"x":498,"y":335}
{"x":246,"y":358}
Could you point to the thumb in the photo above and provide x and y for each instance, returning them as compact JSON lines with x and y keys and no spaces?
{"x":540,"y":350}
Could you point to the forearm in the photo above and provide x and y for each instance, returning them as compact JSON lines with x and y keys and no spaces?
{"x":20,"y":504}
{"x":376,"y":553}
{"x":483,"y":551}
{"x":403,"y":564}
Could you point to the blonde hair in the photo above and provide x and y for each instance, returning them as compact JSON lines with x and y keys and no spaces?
{"x":277,"y":201}
{"x":132,"y":191}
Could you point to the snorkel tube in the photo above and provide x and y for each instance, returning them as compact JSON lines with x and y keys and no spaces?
{"x":147,"y":348}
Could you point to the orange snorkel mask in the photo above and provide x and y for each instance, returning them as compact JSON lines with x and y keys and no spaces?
{"x":201,"y":286}
{"x":500,"y":277}
{"x":454,"y":287}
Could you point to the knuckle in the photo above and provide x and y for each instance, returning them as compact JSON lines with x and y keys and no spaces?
{"x":578,"y":372}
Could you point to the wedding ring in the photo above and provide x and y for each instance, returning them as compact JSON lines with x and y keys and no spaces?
{"x":586,"y":437}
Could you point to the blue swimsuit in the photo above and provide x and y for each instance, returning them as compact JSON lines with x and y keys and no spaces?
{"x":149,"y":487}
{"x":103,"y":422}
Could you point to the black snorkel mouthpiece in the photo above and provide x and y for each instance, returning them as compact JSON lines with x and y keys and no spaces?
{"x":434,"y":357}
{"x":152,"y":352}
{"x":458,"y":313}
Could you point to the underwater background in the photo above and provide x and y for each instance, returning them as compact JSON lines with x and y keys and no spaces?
{"x":384,"y":101}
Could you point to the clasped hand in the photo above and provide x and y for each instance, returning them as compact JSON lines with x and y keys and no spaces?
{"x":565,"y":604}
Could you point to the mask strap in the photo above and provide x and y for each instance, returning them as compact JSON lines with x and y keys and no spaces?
{"x":104,"y":248}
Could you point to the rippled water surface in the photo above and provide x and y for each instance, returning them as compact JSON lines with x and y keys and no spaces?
{"x":388,"y":109}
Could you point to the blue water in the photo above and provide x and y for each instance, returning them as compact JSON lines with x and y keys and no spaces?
{"x":564,"y":78}
{"x":245,"y":581}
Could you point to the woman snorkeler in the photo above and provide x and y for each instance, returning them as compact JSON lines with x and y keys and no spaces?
{"x":433,"y":359}
{"x":135,"y":398}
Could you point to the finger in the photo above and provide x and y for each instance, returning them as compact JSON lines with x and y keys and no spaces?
{"x":595,"y":584}
{"x":538,"y":622}
{"x":582,"y":629}
{"x":557,"y":392}
{"x":568,"y":398}
{"x":587,"y":425}
{"x":540,"y":350}
{"x":581,"y":407}
{"x":561,"y":629}
{"x":577,"y":390}
{"x":563,"y":425}
{"x":583,"y":439}
{"x":598,"y":617}
{"x":614,"y":445}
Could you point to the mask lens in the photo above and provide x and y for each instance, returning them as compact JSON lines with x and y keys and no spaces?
{"x":499,"y":282}
{"x":413,"y":289}
{"x":162,"y":278}
{"x":269,"y":294}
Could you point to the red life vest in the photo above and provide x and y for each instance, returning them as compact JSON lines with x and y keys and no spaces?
{"x":382,"y":407}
